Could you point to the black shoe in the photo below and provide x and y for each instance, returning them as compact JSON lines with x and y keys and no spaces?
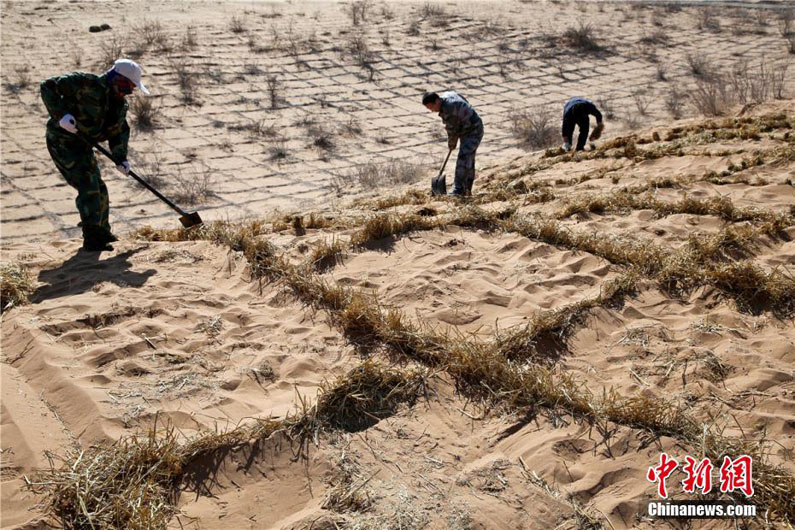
{"x":96,"y":246}
{"x":110,"y":238}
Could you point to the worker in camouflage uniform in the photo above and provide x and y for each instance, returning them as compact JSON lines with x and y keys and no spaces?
{"x":576,"y":112}
{"x":462,"y":123}
{"x":90,"y":106}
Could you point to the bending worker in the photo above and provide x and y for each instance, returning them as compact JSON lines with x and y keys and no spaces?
{"x":462,"y":123}
{"x":87,"y":106}
{"x":576,"y":112}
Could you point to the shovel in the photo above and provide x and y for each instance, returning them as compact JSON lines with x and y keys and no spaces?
{"x":438,"y":183}
{"x":187,"y":219}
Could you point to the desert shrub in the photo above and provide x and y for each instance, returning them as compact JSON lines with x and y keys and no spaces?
{"x":581,"y":38}
{"x":189,"y":40}
{"x":657,"y":37}
{"x":357,"y":10}
{"x":321,"y":137}
{"x":414,"y":28}
{"x":193,"y":188}
{"x":351,"y":127}
{"x":706,"y":20}
{"x":756,"y":85}
{"x":430,"y":10}
{"x":698,"y":65}
{"x":359,"y":49}
{"x":631,"y":121}
{"x":278,"y":151}
{"x":537,"y":128}
{"x":642,"y":101}
{"x":236,"y":25}
{"x":149,"y":34}
{"x":149,"y":166}
{"x":274,"y":86}
{"x":110,"y":49}
{"x":261,"y":129}
{"x":187,"y":81}
{"x":145,"y":112}
{"x":714,"y":94}
{"x":433,"y":44}
{"x":674,"y":101}
{"x":21,"y":79}
{"x":378,"y":174}
{"x":16,"y":285}
{"x":606,"y":107}
{"x":711,"y":97}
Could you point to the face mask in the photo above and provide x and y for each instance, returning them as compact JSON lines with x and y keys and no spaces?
{"x":125,"y":89}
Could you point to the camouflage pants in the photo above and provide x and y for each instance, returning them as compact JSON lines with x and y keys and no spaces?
{"x":465,"y":165}
{"x":75,"y":160}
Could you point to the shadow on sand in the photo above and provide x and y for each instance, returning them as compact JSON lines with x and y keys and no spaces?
{"x":84,"y":270}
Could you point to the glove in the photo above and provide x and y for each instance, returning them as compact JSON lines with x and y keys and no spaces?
{"x":597,"y":132}
{"x":566,"y":146}
{"x":68,"y":123}
{"x":452,"y":142}
{"x":124,"y":168}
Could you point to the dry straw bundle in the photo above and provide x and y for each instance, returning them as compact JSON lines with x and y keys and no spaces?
{"x":15,"y":285}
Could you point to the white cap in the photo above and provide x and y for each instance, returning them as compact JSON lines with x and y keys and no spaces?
{"x":131,"y":71}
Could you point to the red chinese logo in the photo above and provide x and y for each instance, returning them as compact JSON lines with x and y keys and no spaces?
{"x":661,"y":472}
{"x":698,"y":476}
{"x":736,"y":475}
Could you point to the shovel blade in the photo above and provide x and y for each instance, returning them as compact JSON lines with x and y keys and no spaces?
{"x":439,"y":185}
{"x":191,"y":219}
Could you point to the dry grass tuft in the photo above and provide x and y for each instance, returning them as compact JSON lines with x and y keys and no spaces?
{"x":544,"y":338}
{"x":326,"y":253}
{"x":134,"y":482}
{"x":387,"y":225}
{"x":374,"y":175}
{"x":582,"y":38}
{"x":145,"y":112}
{"x":536,"y":129}
{"x":21,"y":79}
{"x":358,"y":10}
{"x":187,"y":81}
{"x":111,"y":49}
{"x":634,"y":198}
{"x":367,"y":394}
{"x":127,"y":484}
{"x":755,"y":290}
{"x":414,"y":197}
{"x":236,"y":25}
{"x":194,"y":187}
{"x":231,"y":234}
{"x":16,"y":285}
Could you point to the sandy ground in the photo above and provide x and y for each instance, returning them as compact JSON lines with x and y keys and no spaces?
{"x":184,"y":333}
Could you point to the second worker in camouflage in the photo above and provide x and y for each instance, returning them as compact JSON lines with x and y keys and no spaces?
{"x":462,"y":123}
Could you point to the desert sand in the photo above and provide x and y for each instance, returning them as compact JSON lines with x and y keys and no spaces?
{"x":657,"y":267}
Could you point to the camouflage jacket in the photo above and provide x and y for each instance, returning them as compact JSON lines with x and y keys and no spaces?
{"x":459,"y":118}
{"x":88,"y":98}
